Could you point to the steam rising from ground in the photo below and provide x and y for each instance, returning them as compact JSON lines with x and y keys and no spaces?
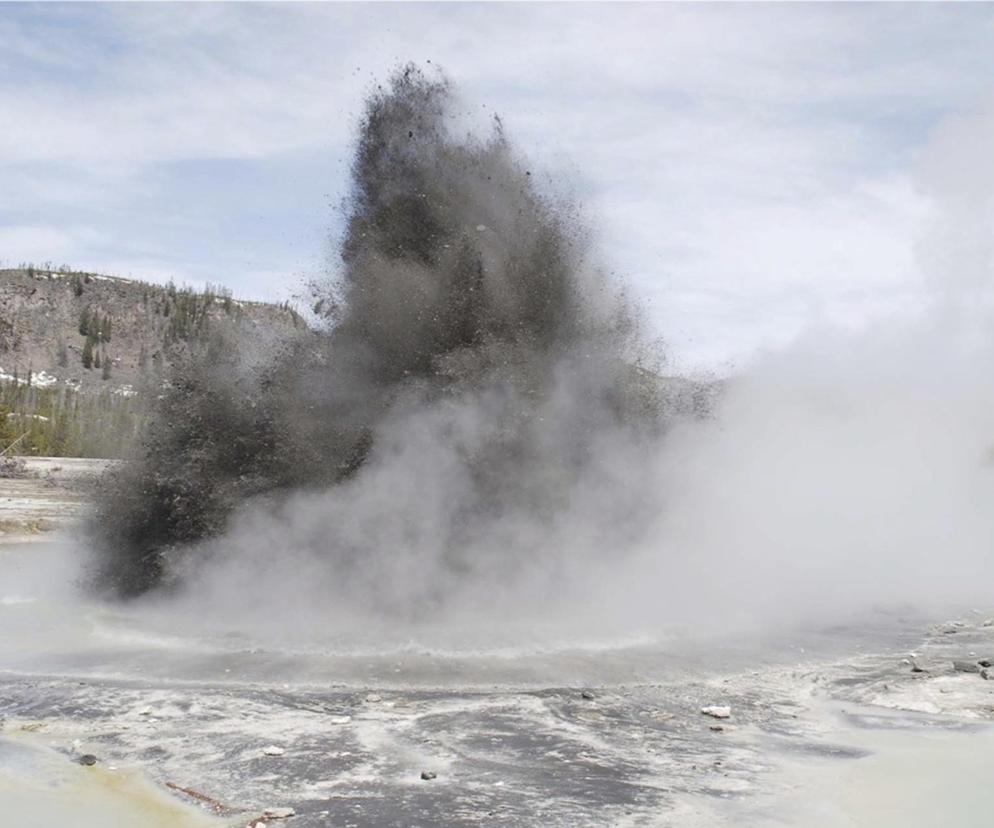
{"x":471,"y":440}
{"x":854,"y":470}
{"x":848,"y":474}
{"x":471,"y":412}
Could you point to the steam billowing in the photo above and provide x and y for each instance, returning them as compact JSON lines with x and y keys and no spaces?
{"x":473,"y":398}
{"x":470,"y":438}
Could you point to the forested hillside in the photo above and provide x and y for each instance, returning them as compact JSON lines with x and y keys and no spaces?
{"x":78,"y":351}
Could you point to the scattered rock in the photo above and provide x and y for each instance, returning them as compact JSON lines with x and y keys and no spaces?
{"x":428,"y":775}
{"x":373,"y":698}
{"x":586,"y":694}
{"x":988,"y":623}
{"x":717,"y":711}
{"x":916,"y":668}
{"x":273,"y":750}
{"x":717,"y":728}
{"x":339,"y":720}
{"x":984,"y":662}
{"x":278,"y":813}
{"x":987,"y":674}
{"x":966,"y":667}
{"x":87,"y":759}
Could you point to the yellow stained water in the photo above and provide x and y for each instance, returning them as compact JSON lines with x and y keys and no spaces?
{"x":41,"y":788}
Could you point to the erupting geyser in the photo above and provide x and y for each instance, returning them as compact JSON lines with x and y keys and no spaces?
{"x":461,"y":403}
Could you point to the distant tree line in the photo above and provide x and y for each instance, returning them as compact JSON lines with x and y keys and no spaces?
{"x":65,"y":422}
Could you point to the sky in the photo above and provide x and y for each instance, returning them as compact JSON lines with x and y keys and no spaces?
{"x":749,"y":171}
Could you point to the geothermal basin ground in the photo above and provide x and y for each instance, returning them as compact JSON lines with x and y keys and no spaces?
{"x":883,"y":721}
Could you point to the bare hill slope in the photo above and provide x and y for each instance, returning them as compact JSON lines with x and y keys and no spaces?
{"x":88,"y":330}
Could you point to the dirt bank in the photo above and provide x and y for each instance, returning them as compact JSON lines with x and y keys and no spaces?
{"x":50,"y":493}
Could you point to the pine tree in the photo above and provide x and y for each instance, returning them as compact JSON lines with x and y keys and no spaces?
{"x":105,"y":374}
{"x":84,"y":322}
{"x":88,"y":354}
{"x":105,"y":329}
{"x":96,"y":359}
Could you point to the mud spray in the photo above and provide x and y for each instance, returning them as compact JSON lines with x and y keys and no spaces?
{"x":467,"y":413}
{"x":474,"y":434}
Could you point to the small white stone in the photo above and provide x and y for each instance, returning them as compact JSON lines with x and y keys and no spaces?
{"x":372,"y":698}
{"x":273,"y":750}
{"x":480,"y":228}
{"x":339,"y":720}
{"x":279,"y":813}
{"x":717,"y":711}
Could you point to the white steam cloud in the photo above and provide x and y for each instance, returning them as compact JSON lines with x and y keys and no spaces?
{"x":850,"y":471}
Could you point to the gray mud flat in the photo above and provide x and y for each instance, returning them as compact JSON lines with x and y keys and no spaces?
{"x":819,"y":743}
{"x":499,"y":757}
{"x":827,"y":728}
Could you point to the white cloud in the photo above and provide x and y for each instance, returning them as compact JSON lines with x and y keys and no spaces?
{"x":18,"y":243}
{"x":749,"y":165}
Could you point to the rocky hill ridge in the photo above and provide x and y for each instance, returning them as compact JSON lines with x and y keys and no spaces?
{"x":89,"y":330}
